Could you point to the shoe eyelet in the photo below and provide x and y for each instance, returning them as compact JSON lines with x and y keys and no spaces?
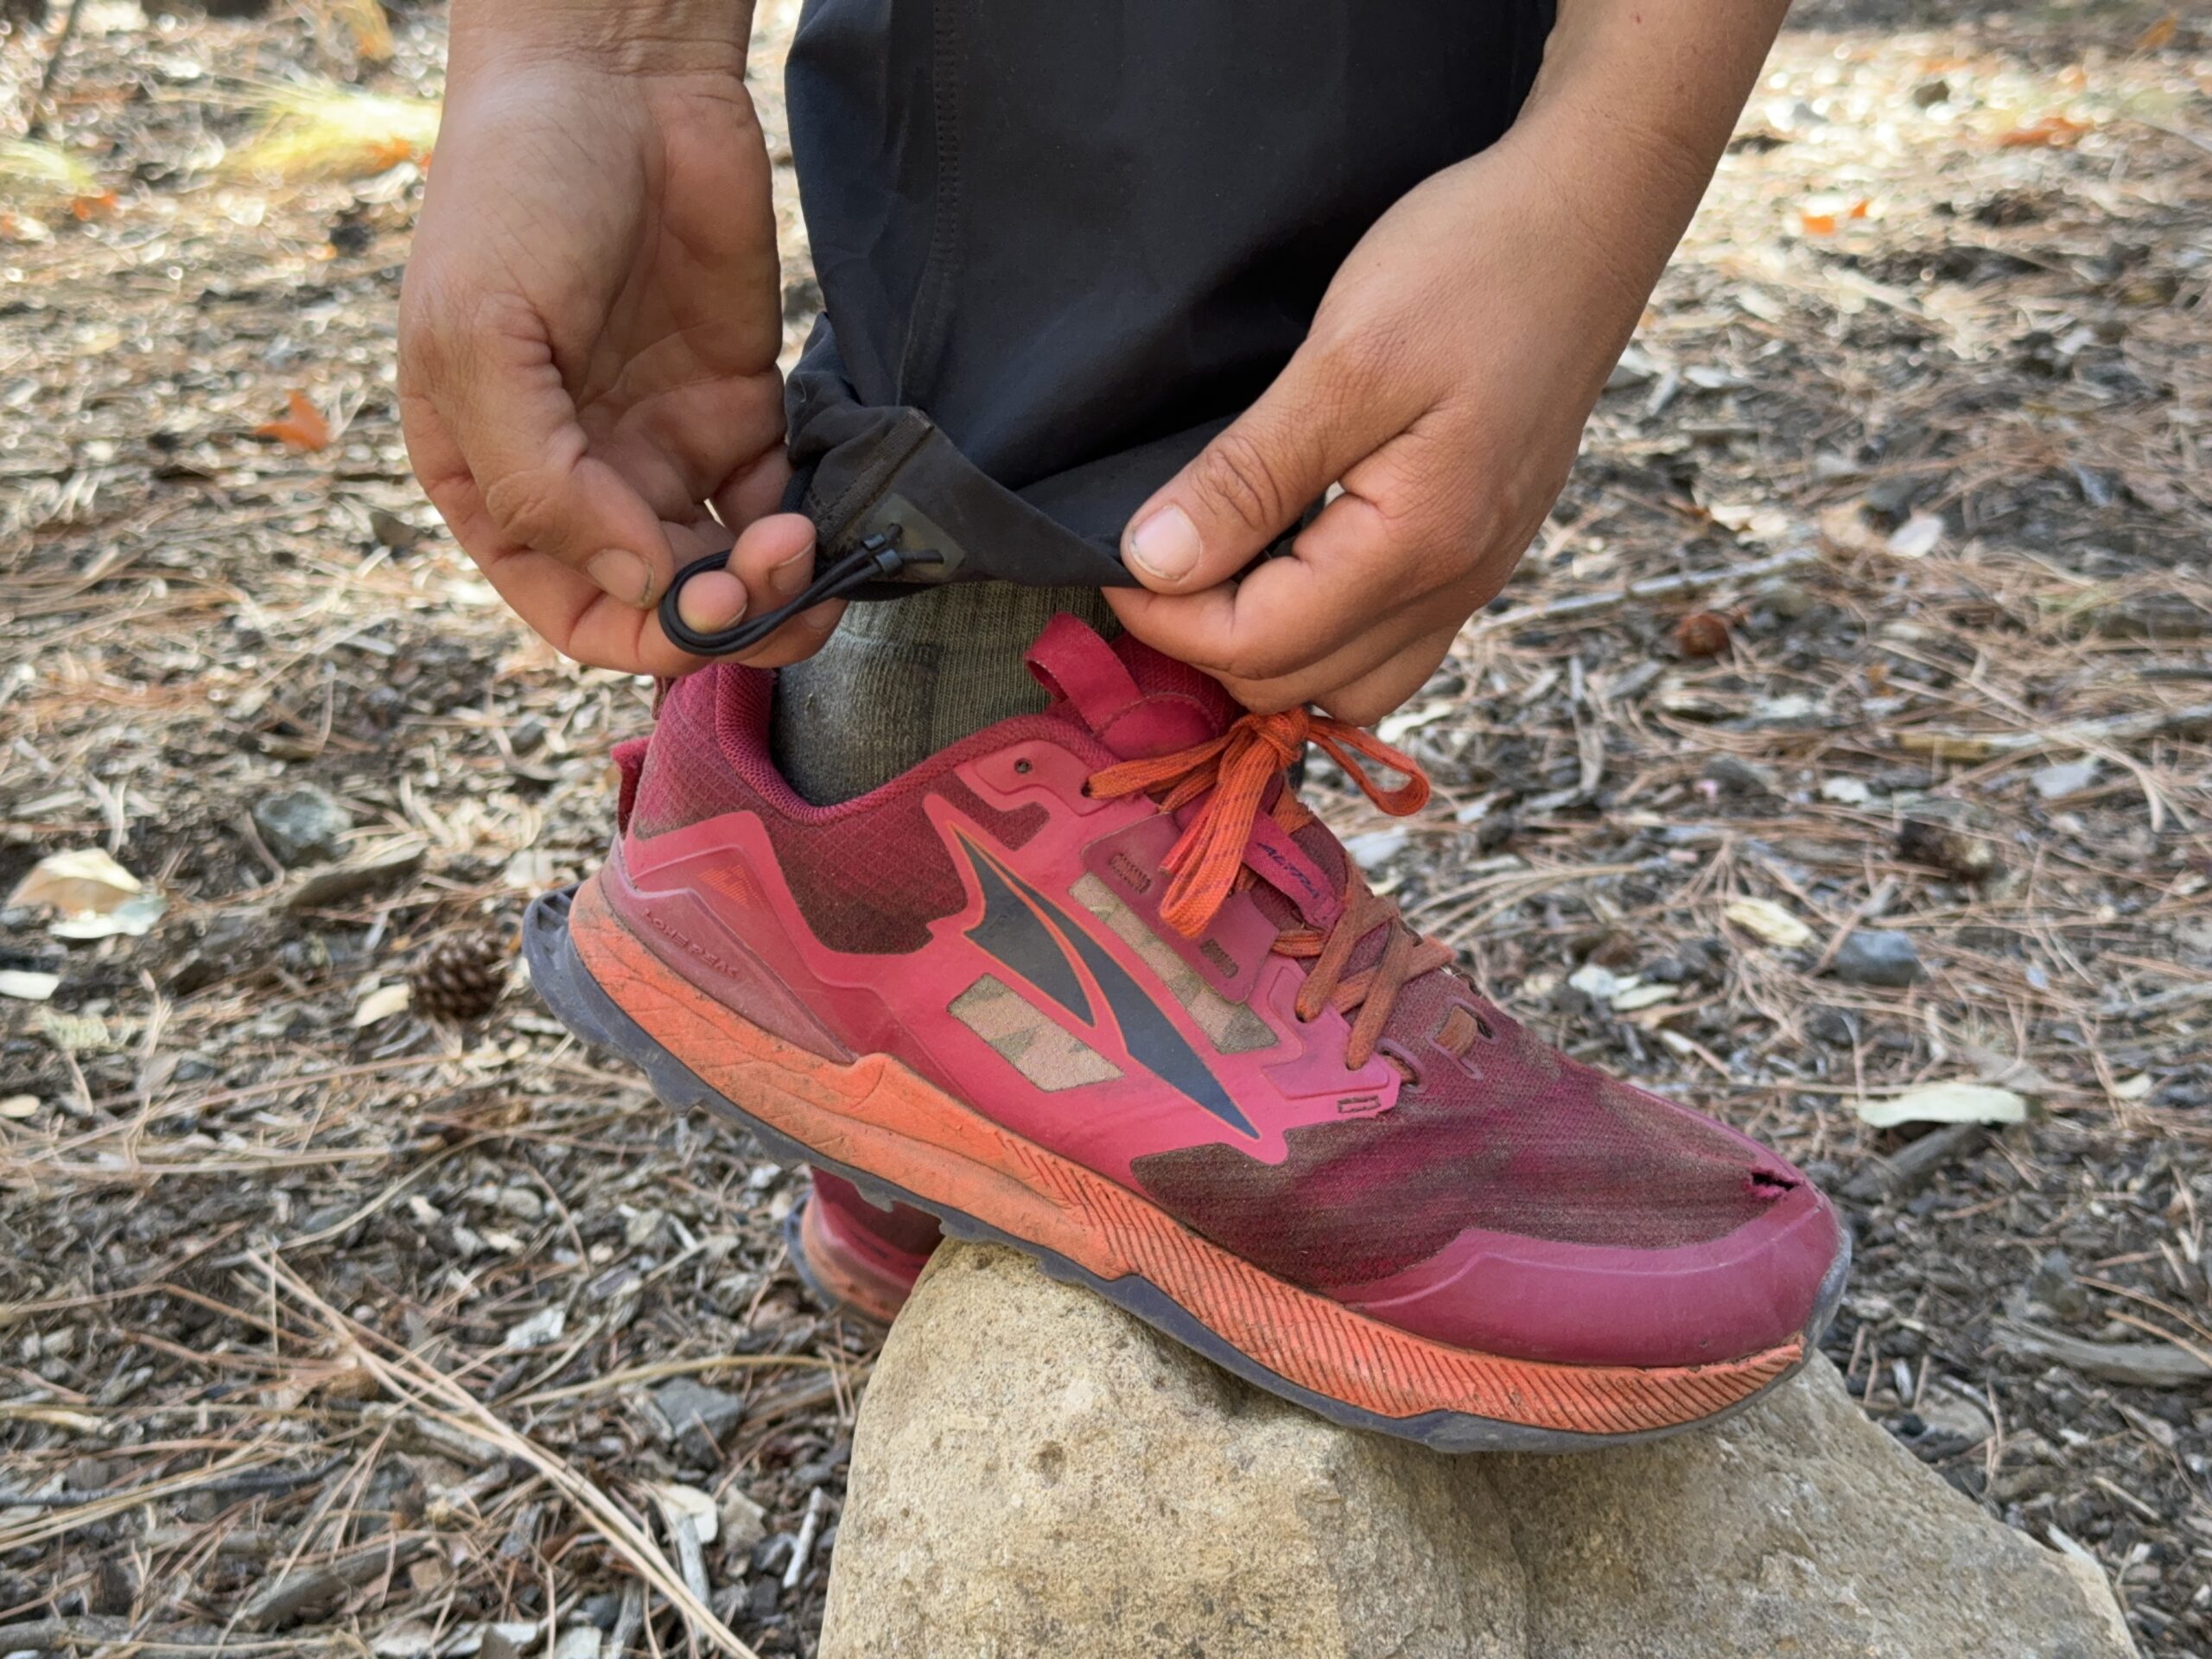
{"x":1394,"y":1055}
{"x":1482,"y":1029}
{"x":1024,"y":767}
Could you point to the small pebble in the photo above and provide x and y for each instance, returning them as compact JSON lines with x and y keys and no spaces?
{"x":1874,"y":955}
{"x":300,"y":826}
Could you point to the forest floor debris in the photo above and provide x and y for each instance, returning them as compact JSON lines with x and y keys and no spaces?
{"x":1840,"y":755}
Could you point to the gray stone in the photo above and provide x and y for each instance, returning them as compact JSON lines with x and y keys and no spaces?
{"x":1875,"y":956}
{"x":1035,"y":1472}
{"x":302,"y":824}
{"x":698,"y":1417}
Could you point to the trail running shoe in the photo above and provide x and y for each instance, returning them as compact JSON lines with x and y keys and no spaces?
{"x":1093,"y":982}
{"x":858,"y":1256}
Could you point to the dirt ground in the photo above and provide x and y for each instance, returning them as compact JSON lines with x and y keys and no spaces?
{"x":328,"y":1323}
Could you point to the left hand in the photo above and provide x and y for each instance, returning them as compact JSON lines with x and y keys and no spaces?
{"x":1444,"y":382}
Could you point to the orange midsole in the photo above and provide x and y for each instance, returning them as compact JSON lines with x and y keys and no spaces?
{"x":874,"y":1116}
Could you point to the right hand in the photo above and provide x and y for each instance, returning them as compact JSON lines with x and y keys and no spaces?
{"x":587,"y":337}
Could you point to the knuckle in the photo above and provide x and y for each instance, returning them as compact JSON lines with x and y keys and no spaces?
{"x":1261,"y":696}
{"x":1237,"y":472}
{"x":1357,"y":359}
{"x":526,"y":506}
{"x":1256,"y":660}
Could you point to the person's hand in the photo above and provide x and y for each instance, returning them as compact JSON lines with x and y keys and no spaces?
{"x":1445,"y":378}
{"x":589,"y":325}
{"x":1444,"y":384}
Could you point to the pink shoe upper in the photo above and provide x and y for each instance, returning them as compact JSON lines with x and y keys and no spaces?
{"x":995,"y":923}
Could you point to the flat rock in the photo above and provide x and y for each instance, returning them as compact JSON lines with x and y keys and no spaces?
{"x":1035,"y":1472}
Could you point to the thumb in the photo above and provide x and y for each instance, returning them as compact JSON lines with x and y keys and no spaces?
{"x":516,"y":427}
{"x":1310,"y":426}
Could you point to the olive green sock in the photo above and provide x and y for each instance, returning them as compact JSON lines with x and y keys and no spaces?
{"x":902,"y":678}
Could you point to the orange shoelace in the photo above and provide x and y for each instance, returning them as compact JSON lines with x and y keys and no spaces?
{"x":1234,"y":773}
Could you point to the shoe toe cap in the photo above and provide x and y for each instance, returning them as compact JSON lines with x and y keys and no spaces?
{"x":1751,"y":1290}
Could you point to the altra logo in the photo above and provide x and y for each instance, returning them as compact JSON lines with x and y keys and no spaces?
{"x":1047,"y":950}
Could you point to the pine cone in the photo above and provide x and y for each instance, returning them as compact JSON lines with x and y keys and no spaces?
{"x":461,"y":977}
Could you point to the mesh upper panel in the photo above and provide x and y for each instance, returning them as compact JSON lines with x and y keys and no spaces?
{"x":869,"y":874}
{"x":1518,"y":1139}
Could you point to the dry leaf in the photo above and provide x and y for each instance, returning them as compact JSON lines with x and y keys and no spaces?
{"x":82,"y":879}
{"x":304,"y":428}
{"x":2052,"y":132}
{"x":381,"y":1004}
{"x":96,"y":897}
{"x":2160,"y":34}
{"x":1770,"y":921}
{"x":1945,"y":1103}
{"x":1817,"y":224}
{"x":16,"y":1108}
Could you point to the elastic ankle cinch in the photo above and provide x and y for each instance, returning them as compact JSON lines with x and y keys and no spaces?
{"x":878,"y":558}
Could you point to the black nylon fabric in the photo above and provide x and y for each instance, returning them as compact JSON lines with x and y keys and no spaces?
{"x":1060,"y":247}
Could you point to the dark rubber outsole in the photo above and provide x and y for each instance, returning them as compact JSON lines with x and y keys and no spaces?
{"x":562,"y":979}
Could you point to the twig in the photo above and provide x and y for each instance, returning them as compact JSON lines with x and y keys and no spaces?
{"x":297,"y":1594}
{"x":2080,"y":733}
{"x":423,"y":1433}
{"x":1582,"y":606}
{"x":97,"y":1630}
{"x":629,"y":1619}
{"x":623,"y":1378}
{"x":275,"y":1480}
{"x":1912,"y":1164}
{"x":2137,"y":1365}
{"x":808,"y":1529}
{"x":683,"y":1531}
{"x":38,"y":1531}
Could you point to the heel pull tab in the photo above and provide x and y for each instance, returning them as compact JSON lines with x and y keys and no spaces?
{"x":1076,"y":665}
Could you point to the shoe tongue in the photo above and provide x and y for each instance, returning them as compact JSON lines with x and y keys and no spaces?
{"x":1138,"y":702}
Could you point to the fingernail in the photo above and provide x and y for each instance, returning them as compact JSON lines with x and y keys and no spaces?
{"x":624,"y":574}
{"x":1165,"y":545}
{"x":786,"y":580}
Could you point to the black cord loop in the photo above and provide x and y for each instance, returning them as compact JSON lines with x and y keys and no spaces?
{"x":876,"y":559}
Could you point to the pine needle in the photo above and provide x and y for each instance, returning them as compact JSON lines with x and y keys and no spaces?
{"x":416,"y":1383}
